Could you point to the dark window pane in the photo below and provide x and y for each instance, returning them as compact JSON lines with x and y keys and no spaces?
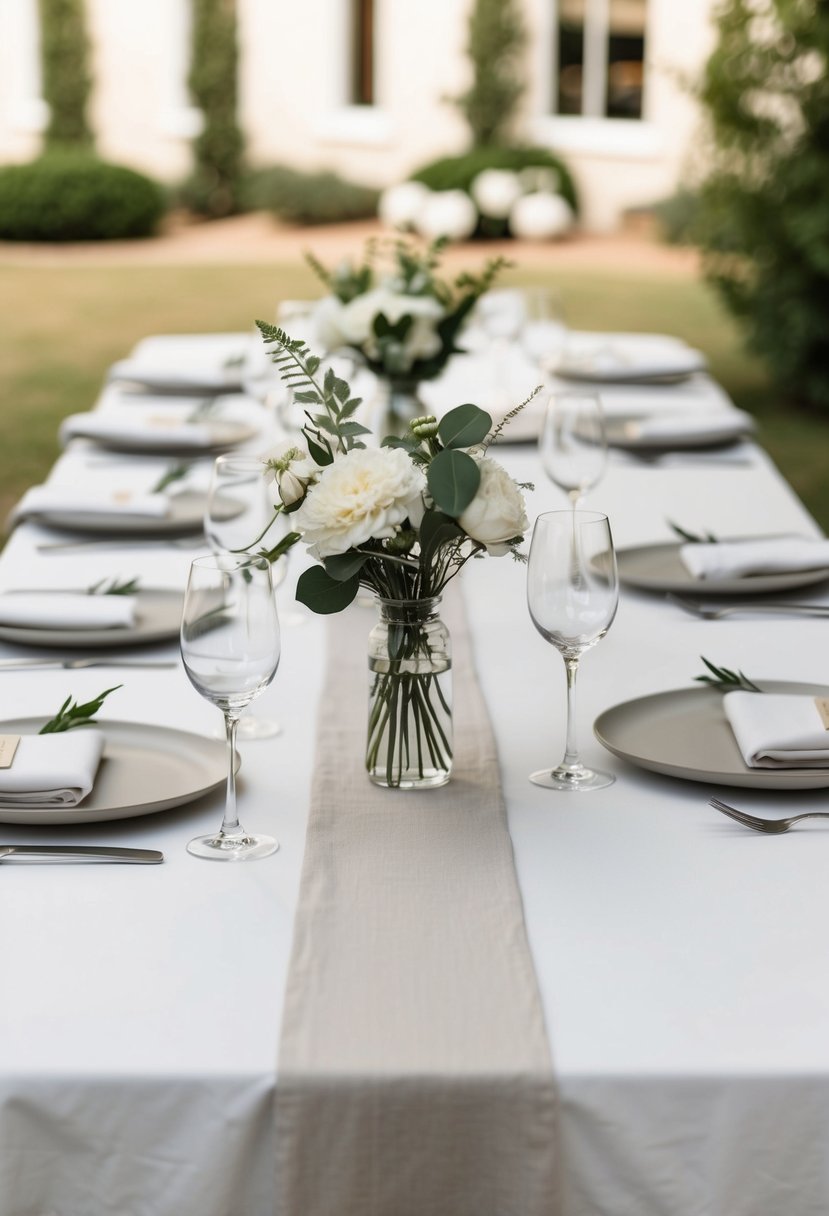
{"x":362,"y":52}
{"x":625,"y":59}
{"x":568,"y":99}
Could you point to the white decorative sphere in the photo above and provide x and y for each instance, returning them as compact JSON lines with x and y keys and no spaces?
{"x":495,"y":191}
{"x":540,"y":217}
{"x":400,"y":206}
{"x":448,"y":213}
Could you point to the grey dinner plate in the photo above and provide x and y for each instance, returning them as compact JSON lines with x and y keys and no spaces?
{"x":619,"y":436}
{"x":145,"y":768}
{"x":659,"y":568}
{"x":186,"y":514}
{"x":157,"y":619}
{"x":220,"y":436}
{"x":685,"y":733}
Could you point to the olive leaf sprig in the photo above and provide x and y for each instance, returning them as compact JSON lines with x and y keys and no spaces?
{"x":71,"y":714}
{"x":174,"y":473}
{"x":725,"y":679}
{"x":114,"y":587}
{"x":692,"y":538}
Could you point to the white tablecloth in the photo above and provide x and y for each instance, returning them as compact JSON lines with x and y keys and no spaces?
{"x":680,"y":957}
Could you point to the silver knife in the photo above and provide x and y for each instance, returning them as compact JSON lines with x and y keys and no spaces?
{"x":80,"y":852}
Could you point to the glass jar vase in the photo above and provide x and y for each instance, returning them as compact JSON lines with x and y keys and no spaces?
{"x":409,"y":744}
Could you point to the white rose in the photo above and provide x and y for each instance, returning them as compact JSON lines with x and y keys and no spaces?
{"x":363,"y":495}
{"x":292,"y":470}
{"x":497,"y":513}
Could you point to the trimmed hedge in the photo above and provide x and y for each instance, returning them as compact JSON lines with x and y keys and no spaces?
{"x":458,"y":173}
{"x":73,"y":196}
{"x":308,"y":198}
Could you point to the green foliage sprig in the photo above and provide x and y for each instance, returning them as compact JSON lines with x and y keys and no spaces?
{"x":170,"y":476}
{"x":71,"y":714}
{"x":725,"y":679}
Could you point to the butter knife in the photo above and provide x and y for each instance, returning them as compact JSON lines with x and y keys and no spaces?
{"x":80,"y":852}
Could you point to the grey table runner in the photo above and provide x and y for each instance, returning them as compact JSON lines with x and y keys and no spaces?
{"x":414,"y":1071}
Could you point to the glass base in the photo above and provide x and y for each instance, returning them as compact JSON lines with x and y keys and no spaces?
{"x":431,"y":779}
{"x":574,"y":780}
{"x":253,"y":728}
{"x":232,"y":848}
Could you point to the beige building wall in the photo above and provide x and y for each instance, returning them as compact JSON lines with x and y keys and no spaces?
{"x":293,"y":92}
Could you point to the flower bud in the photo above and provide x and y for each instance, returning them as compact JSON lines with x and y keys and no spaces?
{"x":425,"y":427}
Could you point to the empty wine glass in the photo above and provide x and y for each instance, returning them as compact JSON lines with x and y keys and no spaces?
{"x":240,"y":516}
{"x":573,"y":443}
{"x":572,"y":594}
{"x":544,"y":332}
{"x":230,"y":648}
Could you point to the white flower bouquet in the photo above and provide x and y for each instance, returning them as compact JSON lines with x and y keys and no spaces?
{"x":400,"y":519}
{"x":394,"y":310}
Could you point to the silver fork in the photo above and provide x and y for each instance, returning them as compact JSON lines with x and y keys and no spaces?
{"x":772,"y":827}
{"x":715,"y":614}
{"x":78,"y":664}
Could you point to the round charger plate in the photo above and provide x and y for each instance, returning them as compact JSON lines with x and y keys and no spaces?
{"x":144,"y":769}
{"x":588,"y":375}
{"x":157,"y":619}
{"x":685,"y":733}
{"x":659,"y":568}
{"x":186,"y":514}
{"x":221,"y":435}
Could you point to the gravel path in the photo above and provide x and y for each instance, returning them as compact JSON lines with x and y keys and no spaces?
{"x":257,"y":238}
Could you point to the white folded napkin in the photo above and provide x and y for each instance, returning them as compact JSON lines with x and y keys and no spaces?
{"x":51,"y":500}
{"x":147,"y":430}
{"x":52,"y":770}
{"x":170,"y":378}
{"x":66,"y":610}
{"x":739,"y":558}
{"x":689,"y":428}
{"x":778,"y":730}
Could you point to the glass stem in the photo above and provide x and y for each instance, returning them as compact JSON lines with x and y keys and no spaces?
{"x":230,"y":823}
{"x":571,"y":749}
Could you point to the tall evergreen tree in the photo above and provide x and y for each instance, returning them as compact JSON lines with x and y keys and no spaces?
{"x":497,"y":38}
{"x":66,"y":77}
{"x":214,"y":86}
{"x":764,"y":221}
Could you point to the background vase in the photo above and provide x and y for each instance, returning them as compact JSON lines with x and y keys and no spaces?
{"x":409,"y":742}
{"x":397,"y":405}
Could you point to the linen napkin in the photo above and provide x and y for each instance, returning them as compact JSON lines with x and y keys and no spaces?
{"x":52,"y":770}
{"x":778,"y":730}
{"x":148,"y":430}
{"x":48,"y":499}
{"x":737,"y":559}
{"x":66,"y":610}
{"x":688,"y":429}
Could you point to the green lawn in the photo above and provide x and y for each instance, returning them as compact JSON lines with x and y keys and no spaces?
{"x":62,"y":327}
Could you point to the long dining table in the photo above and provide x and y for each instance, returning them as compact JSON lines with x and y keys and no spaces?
{"x":678,"y":955}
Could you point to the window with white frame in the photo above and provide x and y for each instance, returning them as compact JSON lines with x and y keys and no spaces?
{"x":20,"y":28}
{"x":599,"y":58}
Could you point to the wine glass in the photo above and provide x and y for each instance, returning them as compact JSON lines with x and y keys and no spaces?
{"x":230,"y":649}
{"x":239,"y":517}
{"x":544,"y":333}
{"x":573,"y":443}
{"x":572,"y":594}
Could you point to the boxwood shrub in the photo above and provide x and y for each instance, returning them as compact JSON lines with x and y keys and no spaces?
{"x":308,"y":198}
{"x":70,"y":195}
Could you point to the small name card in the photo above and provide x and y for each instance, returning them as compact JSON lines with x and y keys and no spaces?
{"x":822,"y":704}
{"x":8,"y":747}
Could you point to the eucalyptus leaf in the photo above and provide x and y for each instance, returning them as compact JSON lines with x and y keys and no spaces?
{"x":323,"y":594}
{"x":319,"y":454}
{"x":343,"y":566}
{"x":464,"y":426}
{"x":453,"y":479}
